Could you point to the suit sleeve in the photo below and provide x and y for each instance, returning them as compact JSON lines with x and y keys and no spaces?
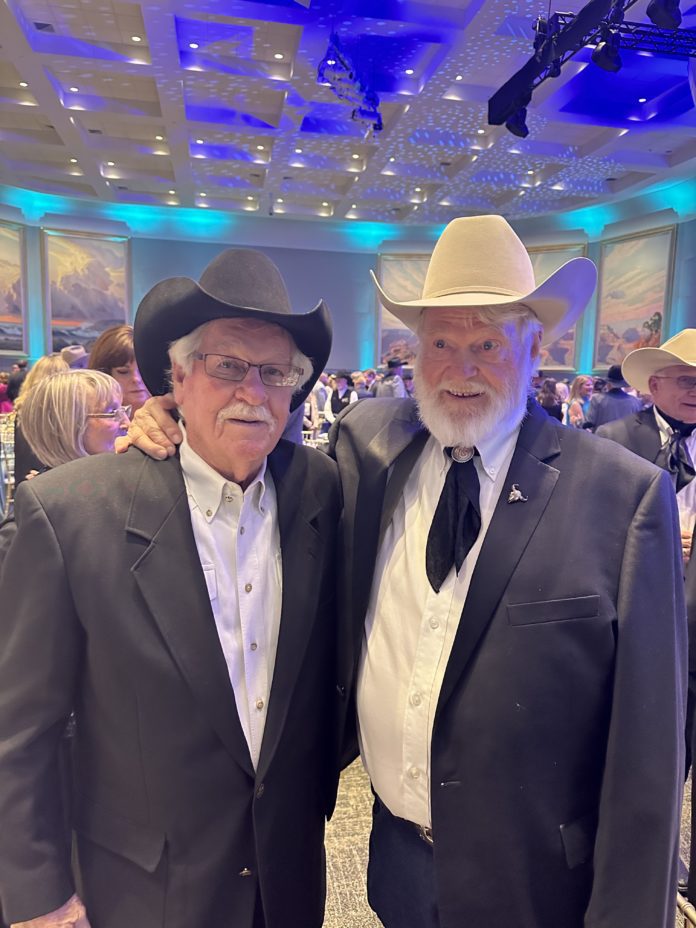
{"x":40,"y":646}
{"x":636,"y":848}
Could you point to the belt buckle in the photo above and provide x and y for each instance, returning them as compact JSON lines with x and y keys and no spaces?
{"x":426,"y":833}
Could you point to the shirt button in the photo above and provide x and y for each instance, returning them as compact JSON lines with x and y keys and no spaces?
{"x":253,"y":646}
{"x":434,"y":623}
{"x":209,"y":512}
{"x":248,"y":587}
{"x":259,"y":704}
{"x":416,"y":699}
{"x":414,"y":773}
{"x":241,"y":530}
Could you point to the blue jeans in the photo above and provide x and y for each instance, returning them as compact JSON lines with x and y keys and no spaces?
{"x":400,"y":873}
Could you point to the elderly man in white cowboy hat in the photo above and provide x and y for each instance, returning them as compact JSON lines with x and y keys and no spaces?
{"x":501,"y":622}
{"x":183,"y":611}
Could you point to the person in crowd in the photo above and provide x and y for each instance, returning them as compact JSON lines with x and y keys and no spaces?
{"x":392,"y":385}
{"x":370,"y":379}
{"x":6,"y":405}
{"x":26,"y":462}
{"x":310,"y":415}
{"x":549,"y":400}
{"x":614,"y":403}
{"x":14,"y":384}
{"x":409,"y":384}
{"x":184,"y":611}
{"x":321,"y":390}
{"x":360,"y":385}
{"x":342,"y":394}
{"x":113,"y":354}
{"x":494,"y":696}
{"x":75,"y":357}
{"x":563,"y":392}
{"x":579,"y":400}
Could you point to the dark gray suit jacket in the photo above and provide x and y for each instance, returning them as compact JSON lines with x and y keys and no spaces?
{"x":105,"y":611}
{"x":557,"y":749}
{"x":638,"y":432}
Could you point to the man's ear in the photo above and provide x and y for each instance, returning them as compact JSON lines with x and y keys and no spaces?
{"x":178,"y":376}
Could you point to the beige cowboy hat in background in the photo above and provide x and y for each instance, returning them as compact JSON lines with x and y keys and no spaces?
{"x":639,"y":365}
{"x":480,"y":261}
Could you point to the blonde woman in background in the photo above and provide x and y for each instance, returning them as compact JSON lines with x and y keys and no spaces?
{"x":25,"y":459}
{"x":579,"y":400}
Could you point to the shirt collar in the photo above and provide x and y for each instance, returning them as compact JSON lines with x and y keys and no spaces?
{"x":208,"y":488}
{"x":497,"y":448}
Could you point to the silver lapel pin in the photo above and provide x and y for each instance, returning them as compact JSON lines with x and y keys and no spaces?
{"x":516,"y":496}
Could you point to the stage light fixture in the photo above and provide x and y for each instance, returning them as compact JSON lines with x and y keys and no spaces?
{"x":665,"y":14}
{"x":517,"y":123}
{"x":606,"y":54}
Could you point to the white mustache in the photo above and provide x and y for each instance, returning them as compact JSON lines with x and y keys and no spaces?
{"x":247,"y":413}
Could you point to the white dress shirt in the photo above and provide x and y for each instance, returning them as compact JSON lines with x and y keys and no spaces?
{"x":410,"y":629}
{"x":686,"y":497}
{"x":238,"y":544}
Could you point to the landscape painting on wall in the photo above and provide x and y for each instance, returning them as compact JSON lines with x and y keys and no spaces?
{"x":402,"y":277}
{"x":559,"y":355}
{"x":633,"y":290}
{"x":11,"y":296}
{"x":86,"y":286}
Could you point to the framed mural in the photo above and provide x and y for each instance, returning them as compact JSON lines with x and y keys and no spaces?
{"x":12,"y":328}
{"x":85,"y":285}
{"x":402,"y":277}
{"x":561,"y":354}
{"x":635,"y":275}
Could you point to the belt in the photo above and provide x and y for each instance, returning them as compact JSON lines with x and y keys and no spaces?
{"x":424,"y":832}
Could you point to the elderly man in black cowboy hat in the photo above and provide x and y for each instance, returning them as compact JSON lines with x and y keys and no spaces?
{"x":183,"y":613}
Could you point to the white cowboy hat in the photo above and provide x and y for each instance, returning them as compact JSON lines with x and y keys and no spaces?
{"x":639,"y":365}
{"x":480,"y":261}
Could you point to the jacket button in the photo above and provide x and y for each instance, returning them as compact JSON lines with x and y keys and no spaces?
{"x":341,"y":690}
{"x":245,"y":872}
{"x":260,"y":790}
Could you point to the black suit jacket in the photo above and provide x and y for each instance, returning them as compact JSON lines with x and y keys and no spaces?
{"x":557,"y":748}
{"x":106,"y":611}
{"x":637,"y":432}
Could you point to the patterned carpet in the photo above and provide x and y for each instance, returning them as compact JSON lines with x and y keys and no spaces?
{"x":346,"y":846}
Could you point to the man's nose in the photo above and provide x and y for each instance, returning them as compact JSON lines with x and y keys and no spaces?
{"x":252,"y":388}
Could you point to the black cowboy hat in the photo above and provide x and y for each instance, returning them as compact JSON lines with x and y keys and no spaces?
{"x":239,"y":283}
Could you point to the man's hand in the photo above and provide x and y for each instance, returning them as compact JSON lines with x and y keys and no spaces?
{"x":153,"y":429}
{"x":686,"y":546}
{"x":70,"y":915}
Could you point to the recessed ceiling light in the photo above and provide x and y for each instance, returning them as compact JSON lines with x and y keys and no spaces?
{"x":23,"y":84}
{"x":172,"y":202}
{"x":459,"y":77}
{"x":73,"y":161}
{"x":278,"y":56}
{"x":193,"y":45}
{"x":408,"y":71}
{"x":280,"y":200}
{"x":136,"y":38}
{"x":110,"y":164}
{"x":474,"y":157}
{"x":642,"y":99}
{"x":74,"y":89}
{"x":171,"y":192}
{"x":480,"y":131}
{"x":159,"y":138}
{"x":250,"y":198}
{"x":199,"y":141}
{"x":202,"y":194}
{"x":298,"y":151}
{"x":418,"y":189}
{"x":324,"y":203}
{"x":521,"y":193}
{"x":353,"y":206}
{"x":355,"y":155}
{"x":530,"y":172}
{"x":259,"y":148}
{"x":392,"y":159}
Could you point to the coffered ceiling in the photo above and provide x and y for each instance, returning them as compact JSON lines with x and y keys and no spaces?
{"x":216,"y":103}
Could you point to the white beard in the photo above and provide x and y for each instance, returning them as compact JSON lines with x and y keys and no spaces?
{"x":503,"y":411}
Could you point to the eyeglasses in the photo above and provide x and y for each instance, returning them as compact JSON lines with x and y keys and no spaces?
{"x":225,"y":367}
{"x":683,"y":381}
{"x":123,"y":412}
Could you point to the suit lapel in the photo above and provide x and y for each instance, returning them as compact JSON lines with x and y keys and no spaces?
{"x":508,"y":534}
{"x":173,"y":586}
{"x":301,"y":557}
{"x":647,"y":436}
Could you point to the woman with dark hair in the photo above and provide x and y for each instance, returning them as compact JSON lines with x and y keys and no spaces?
{"x":548,"y":399}
{"x":113,"y":354}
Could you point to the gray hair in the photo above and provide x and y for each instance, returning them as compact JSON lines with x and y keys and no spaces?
{"x":54,"y":415}
{"x":183,"y":350}
{"x":524,"y":318}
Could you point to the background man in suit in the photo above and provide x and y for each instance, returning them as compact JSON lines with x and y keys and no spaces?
{"x":183,"y":610}
{"x":666,"y":435}
{"x":520,"y":606}
{"x":615,"y":403}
